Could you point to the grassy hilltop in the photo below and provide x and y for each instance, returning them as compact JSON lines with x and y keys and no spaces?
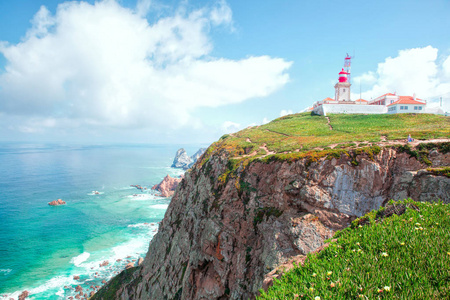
{"x":382,"y":256}
{"x":305,"y":132}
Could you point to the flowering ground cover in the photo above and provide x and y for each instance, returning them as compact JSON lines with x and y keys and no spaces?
{"x":381,"y":256}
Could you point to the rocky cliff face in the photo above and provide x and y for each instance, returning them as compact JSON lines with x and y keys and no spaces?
{"x":224,"y":232}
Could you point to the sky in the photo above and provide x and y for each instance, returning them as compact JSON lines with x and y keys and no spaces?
{"x":189,"y":71}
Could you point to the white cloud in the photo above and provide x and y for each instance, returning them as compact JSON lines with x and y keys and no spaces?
{"x":143,"y":7}
{"x":230,"y":127}
{"x":265,"y":120}
{"x":221,"y":14}
{"x":105,"y":65}
{"x":285,"y":112}
{"x":416,"y":70}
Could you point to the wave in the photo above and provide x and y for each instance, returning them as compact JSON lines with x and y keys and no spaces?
{"x":90,"y":272}
{"x":78,"y":260}
{"x":159,"y":206}
{"x":57,"y":282}
{"x":141,"y":197}
{"x":93,"y":193}
{"x":143,"y":225}
{"x":5,"y":271}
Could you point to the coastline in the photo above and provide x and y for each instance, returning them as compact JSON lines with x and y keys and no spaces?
{"x":50,"y":245}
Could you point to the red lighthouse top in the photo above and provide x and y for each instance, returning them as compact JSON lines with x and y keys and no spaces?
{"x":343,"y":76}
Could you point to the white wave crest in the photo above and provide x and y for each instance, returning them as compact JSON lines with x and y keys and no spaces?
{"x":78,"y":260}
{"x":141,"y":225}
{"x":93,"y":193}
{"x":57,"y":282}
{"x":159,"y":206}
{"x":5,"y":271}
{"x":141,"y":197}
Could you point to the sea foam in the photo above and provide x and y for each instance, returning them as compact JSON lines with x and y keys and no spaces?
{"x":78,"y":260}
{"x":159,"y":206}
{"x":5,"y":271}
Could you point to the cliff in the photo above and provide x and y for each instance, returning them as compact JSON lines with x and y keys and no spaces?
{"x":251,"y":204}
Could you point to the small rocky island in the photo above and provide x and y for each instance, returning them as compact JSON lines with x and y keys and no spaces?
{"x":57,"y":202}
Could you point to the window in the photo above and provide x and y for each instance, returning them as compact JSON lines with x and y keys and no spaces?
{"x":420,"y":107}
{"x":343,"y":90}
{"x":392,"y":101}
{"x":415,"y":108}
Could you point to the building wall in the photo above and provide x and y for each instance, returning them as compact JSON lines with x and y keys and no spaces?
{"x":342,"y":91}
{"x":406,"y":108}
{"x":349,"y":109}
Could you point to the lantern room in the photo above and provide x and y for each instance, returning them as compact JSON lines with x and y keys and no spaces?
{"x":343,"y":76}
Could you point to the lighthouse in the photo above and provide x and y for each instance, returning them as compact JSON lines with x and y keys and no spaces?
{"x":342,"y":88}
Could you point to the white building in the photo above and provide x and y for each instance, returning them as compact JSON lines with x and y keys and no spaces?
{"x":406,"y":104}
{"x":387,"y":103}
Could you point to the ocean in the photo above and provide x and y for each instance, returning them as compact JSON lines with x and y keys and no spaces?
{"x":43,"y":247}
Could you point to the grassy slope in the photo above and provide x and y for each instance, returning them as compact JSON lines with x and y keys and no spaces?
{"x":306,"y":132}
{"x":399,"y":257}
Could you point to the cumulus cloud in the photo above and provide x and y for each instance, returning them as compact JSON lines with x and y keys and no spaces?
{"x":417,"y":70}
{"x":285,"y":112}
{"x":103,"y":65}
{"x":230,"y":127}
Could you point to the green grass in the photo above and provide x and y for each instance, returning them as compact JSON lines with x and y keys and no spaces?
{"x":304,"y":132}
{"x":398,"y":257}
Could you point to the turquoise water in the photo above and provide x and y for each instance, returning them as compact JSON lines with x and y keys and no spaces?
{"x":43,"y":247}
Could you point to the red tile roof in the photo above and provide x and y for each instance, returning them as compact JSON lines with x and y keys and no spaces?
{"x":407,"y":100}
{"x":361,"y":100}
{"x":388,"y":94}
{"x":328,"y":99}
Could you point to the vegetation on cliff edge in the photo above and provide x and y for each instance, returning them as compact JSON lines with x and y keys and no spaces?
{"x":305,"y":132}
{"x":403,"y":256}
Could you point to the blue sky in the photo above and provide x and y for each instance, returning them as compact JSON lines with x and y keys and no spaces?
{"x":190,"y":71}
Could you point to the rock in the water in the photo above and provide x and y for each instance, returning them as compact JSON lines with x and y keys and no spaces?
{"x":104,"y":263}
{"x":130,"y":265}
{"x":167,"y":186}
{"x":76,"y":277}
{"x":140,"y":261}
{"x":24,"y":295}
{"x":181,"y":160}
{"x":78,"y":288}
{"x":57,"y":202}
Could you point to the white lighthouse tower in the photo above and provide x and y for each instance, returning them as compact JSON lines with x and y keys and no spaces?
{"x":342,"y":88}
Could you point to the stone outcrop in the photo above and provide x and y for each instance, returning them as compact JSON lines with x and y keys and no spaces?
{"x":181,"y":160}
{"x":226,"y":230}
{"x":167,"y":186}
{"x":23,"y":295}
{"x":197,"y":155}
{"x":57,"y":202}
